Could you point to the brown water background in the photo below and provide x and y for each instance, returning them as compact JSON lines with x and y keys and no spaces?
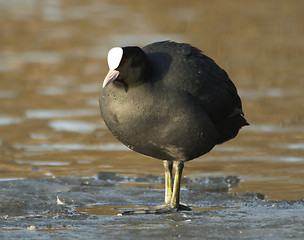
{"x":53,"y":62}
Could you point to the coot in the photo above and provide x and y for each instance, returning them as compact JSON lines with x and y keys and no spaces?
{"x":169,"y":101}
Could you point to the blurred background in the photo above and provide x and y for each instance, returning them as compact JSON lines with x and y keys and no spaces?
{"x":53,"y":61}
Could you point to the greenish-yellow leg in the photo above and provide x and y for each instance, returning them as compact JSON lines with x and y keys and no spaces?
{"x":178,"y":169}
{"x":172,"y":190}
{"x":168,"y":181}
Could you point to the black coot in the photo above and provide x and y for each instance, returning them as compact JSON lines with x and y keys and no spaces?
{"x":171,"y":102}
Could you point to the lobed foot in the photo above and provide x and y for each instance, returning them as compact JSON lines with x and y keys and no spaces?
{"x":166,"y":208}
{"x":160,"y":209}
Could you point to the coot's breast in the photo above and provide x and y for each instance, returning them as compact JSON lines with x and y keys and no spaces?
{"x":157,"y":121}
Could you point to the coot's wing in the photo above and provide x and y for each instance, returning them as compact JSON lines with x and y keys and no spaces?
{"x":185,"y":68}
{"x":216,"y":92}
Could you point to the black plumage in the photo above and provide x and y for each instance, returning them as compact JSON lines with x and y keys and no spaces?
{"x":171,"y":102}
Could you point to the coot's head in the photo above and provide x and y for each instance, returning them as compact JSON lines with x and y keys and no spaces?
{"x":126,"y":65}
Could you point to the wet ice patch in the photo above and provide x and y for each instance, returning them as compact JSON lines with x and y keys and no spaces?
{"x":293,"y":146}
{"x":264,"y":128}
{"x":92,"y":102}
{"x":41,"y":136}
{"x":4,"y":120}
{"x":267,"y":92}
{"x":232,"y":148}
{"x":256,"y":158}
{"x":52,"y":12}
{"x":7,"y":94}
{"x":292,"y":159}
{"x":73,"y":126}
{"x":19,"y":58}
{"x":89,"y":88}
{"x":42,"y":114}
{"x":52,"y":91}
{"x":10,"y":179}
{"x":43,"y":163}
{"x":105,"y":210}
{"x":71,"y":146}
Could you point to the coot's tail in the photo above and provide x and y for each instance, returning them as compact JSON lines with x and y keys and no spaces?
{"x":230,"y":127}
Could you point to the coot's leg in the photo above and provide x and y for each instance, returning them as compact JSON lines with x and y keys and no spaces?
{"x":172,"y":191}
{"x":168,"y":181}
{"x":178,"y":167}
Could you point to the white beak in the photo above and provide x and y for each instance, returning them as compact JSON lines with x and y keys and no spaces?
{"x":111,"y":76}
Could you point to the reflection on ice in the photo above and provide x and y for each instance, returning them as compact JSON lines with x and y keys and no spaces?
{"x":290,"y":146}
{"x":71,"y":146}
{"x":232,"y":148}
{"x":295,"y":146}
{"x":9,"y":120}
{"x":14,"y":58}
{"x":60,"y":113}
{"x":92,"y":102}
{"x":10,"y":179}
{"x":273,"y":128}
{"x":90,"y":88}
{"x":52,"y":11}
{"x":85,"y":88}
{"x":267,"y":92}
{"x":74,"y":126}
{"x":263,"y":158}
{"x":22,"y":10}
{"x":43,"y":163}
{"x":292,"y":159}
{"x":4,"y":94}
{"x":52,"y":91}
{"x":42,"y":136}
